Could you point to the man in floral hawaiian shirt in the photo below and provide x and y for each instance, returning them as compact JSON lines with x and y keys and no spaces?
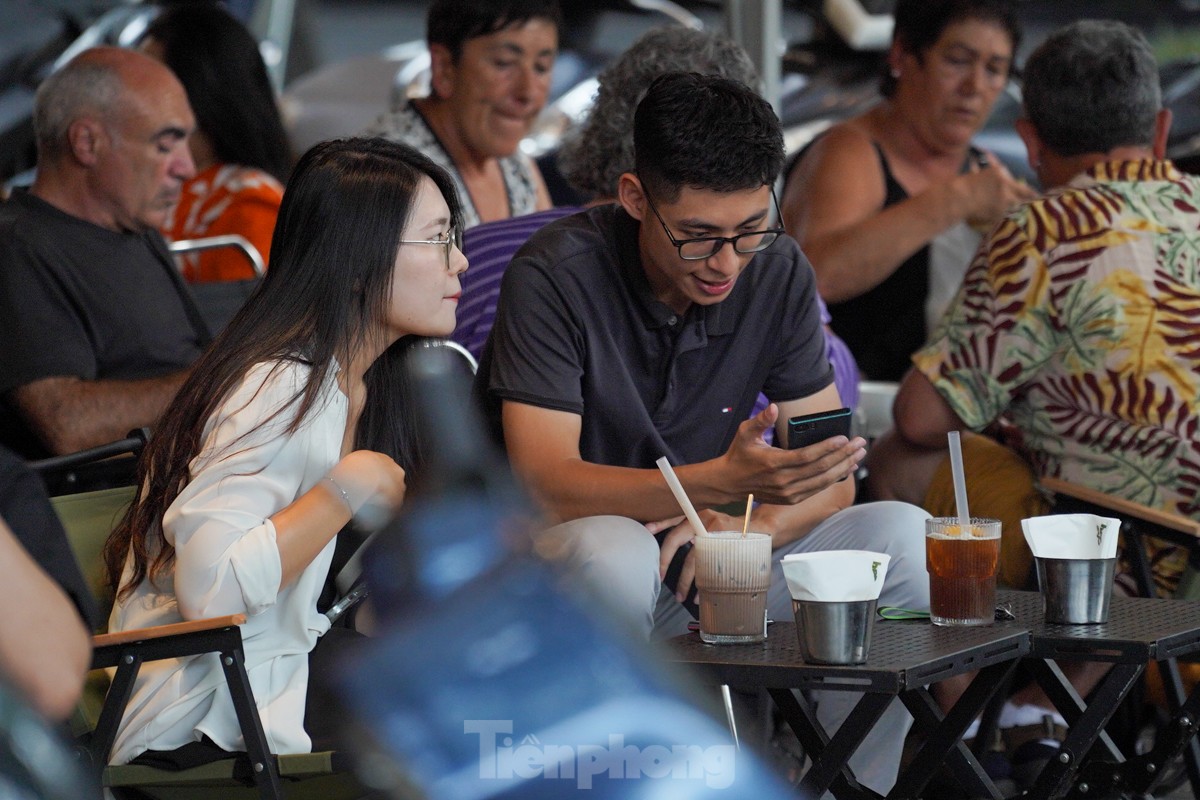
{"x":1075,"y":328}
{"x":1079,"y":320}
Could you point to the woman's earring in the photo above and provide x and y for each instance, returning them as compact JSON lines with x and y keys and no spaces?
{"x":895,"y":72}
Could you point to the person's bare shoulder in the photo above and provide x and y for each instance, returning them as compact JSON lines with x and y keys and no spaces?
{"x":839,"y":180}
{"x":845,"y":150}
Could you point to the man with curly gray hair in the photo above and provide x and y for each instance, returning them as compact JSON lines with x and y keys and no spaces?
{"x":594,"y":155}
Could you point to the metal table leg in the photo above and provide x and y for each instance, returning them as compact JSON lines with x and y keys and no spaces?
{"x":830,"y":755}
{"x":1143,"y":773}
{"x":944,"y":743}
{"x":1086,"y":723}
{"x":1168,"y":670}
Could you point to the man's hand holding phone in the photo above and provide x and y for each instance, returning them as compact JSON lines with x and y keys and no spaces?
{"x":808,"y":429}
{"x":785,"y":477}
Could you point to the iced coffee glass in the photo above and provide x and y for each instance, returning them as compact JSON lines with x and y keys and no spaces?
{"x":962,"y":567}
{"x":732,"y":575}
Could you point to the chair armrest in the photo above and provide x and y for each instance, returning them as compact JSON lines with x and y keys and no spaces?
{"x":128,"y":650}
{"x":242,"y":244}
{"x":132,"y":444}
{"x":178,"y":640}
{"x":1123,"y":507}
{"x":160,"y":631}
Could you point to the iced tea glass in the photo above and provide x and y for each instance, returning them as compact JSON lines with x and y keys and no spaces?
{"x":962,"y":567}
{"x":732,"y":575}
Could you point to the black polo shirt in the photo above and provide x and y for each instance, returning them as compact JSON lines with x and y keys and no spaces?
{"x":578,"y":329}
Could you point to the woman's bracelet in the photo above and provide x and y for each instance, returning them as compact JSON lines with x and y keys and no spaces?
{"x":341,"y":493}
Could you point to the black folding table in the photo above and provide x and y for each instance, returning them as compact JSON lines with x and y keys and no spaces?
{"x":1138,"y":631}
{"x":905,"y":657}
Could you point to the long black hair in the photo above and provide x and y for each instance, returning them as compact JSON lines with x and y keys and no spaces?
{"x":219,"y":64}
{"x":328,"y":290}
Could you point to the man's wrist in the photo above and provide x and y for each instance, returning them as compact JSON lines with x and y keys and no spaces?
{"x":703,"y":485}
{"x":766,"y":519}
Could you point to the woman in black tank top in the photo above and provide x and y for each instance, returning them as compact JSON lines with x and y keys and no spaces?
{"x":867,"y":199}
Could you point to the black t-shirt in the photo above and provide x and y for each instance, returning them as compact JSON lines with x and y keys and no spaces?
{"x":578,"y":329}
{"x":83,"y":301}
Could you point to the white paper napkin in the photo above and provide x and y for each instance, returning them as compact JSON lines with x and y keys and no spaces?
{"x":1079,"y":536}
{"x":836,"y":576}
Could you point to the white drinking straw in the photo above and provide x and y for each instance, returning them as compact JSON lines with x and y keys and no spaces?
{"x":681,"y":497}
{"x":960,"y":482}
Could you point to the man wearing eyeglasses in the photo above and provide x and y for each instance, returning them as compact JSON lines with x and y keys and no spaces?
{"x":646,"y":329}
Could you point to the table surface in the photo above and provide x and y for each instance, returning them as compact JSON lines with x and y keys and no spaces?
{"x":907,"y":655}
{"x":903,"y":655}
{"x":1138,"y":629}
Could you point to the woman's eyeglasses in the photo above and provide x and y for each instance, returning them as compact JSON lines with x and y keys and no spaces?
{"x":451,"y":238}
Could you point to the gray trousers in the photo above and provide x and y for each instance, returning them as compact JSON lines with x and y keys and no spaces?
{"x":617,"y":559}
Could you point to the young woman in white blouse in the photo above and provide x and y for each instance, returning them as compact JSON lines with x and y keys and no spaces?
{"x":290,"y":425}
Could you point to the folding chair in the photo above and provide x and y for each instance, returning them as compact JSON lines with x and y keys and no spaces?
{"x":220,"y":300}
{"x":454,"y":346}
{"x":88,"y":518}
{"x":228,"y":240}
{"x":104,"y":466}
{"x":255,"y":773}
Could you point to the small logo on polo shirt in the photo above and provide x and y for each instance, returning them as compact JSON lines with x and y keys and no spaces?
{"x":726,"y":409}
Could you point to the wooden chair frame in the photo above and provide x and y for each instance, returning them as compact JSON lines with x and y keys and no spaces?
{"x":128,"y":650}
{"x":124,"y":652}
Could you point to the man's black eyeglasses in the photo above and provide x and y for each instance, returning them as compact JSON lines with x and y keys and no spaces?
{"x":708,"y":246}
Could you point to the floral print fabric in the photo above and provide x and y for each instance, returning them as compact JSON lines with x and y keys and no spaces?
{"x":406,"y":125}
{"x":1079,"y":319}
{"x":224,"y":199}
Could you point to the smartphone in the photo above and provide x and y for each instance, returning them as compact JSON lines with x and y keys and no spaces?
{"x":809,"y":429}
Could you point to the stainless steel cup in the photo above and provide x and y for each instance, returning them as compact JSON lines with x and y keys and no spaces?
{"x":1076,"y":590}
{"x":834,"y":633}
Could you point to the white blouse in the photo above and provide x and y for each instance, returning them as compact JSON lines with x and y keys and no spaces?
{"x":227,"y":562}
